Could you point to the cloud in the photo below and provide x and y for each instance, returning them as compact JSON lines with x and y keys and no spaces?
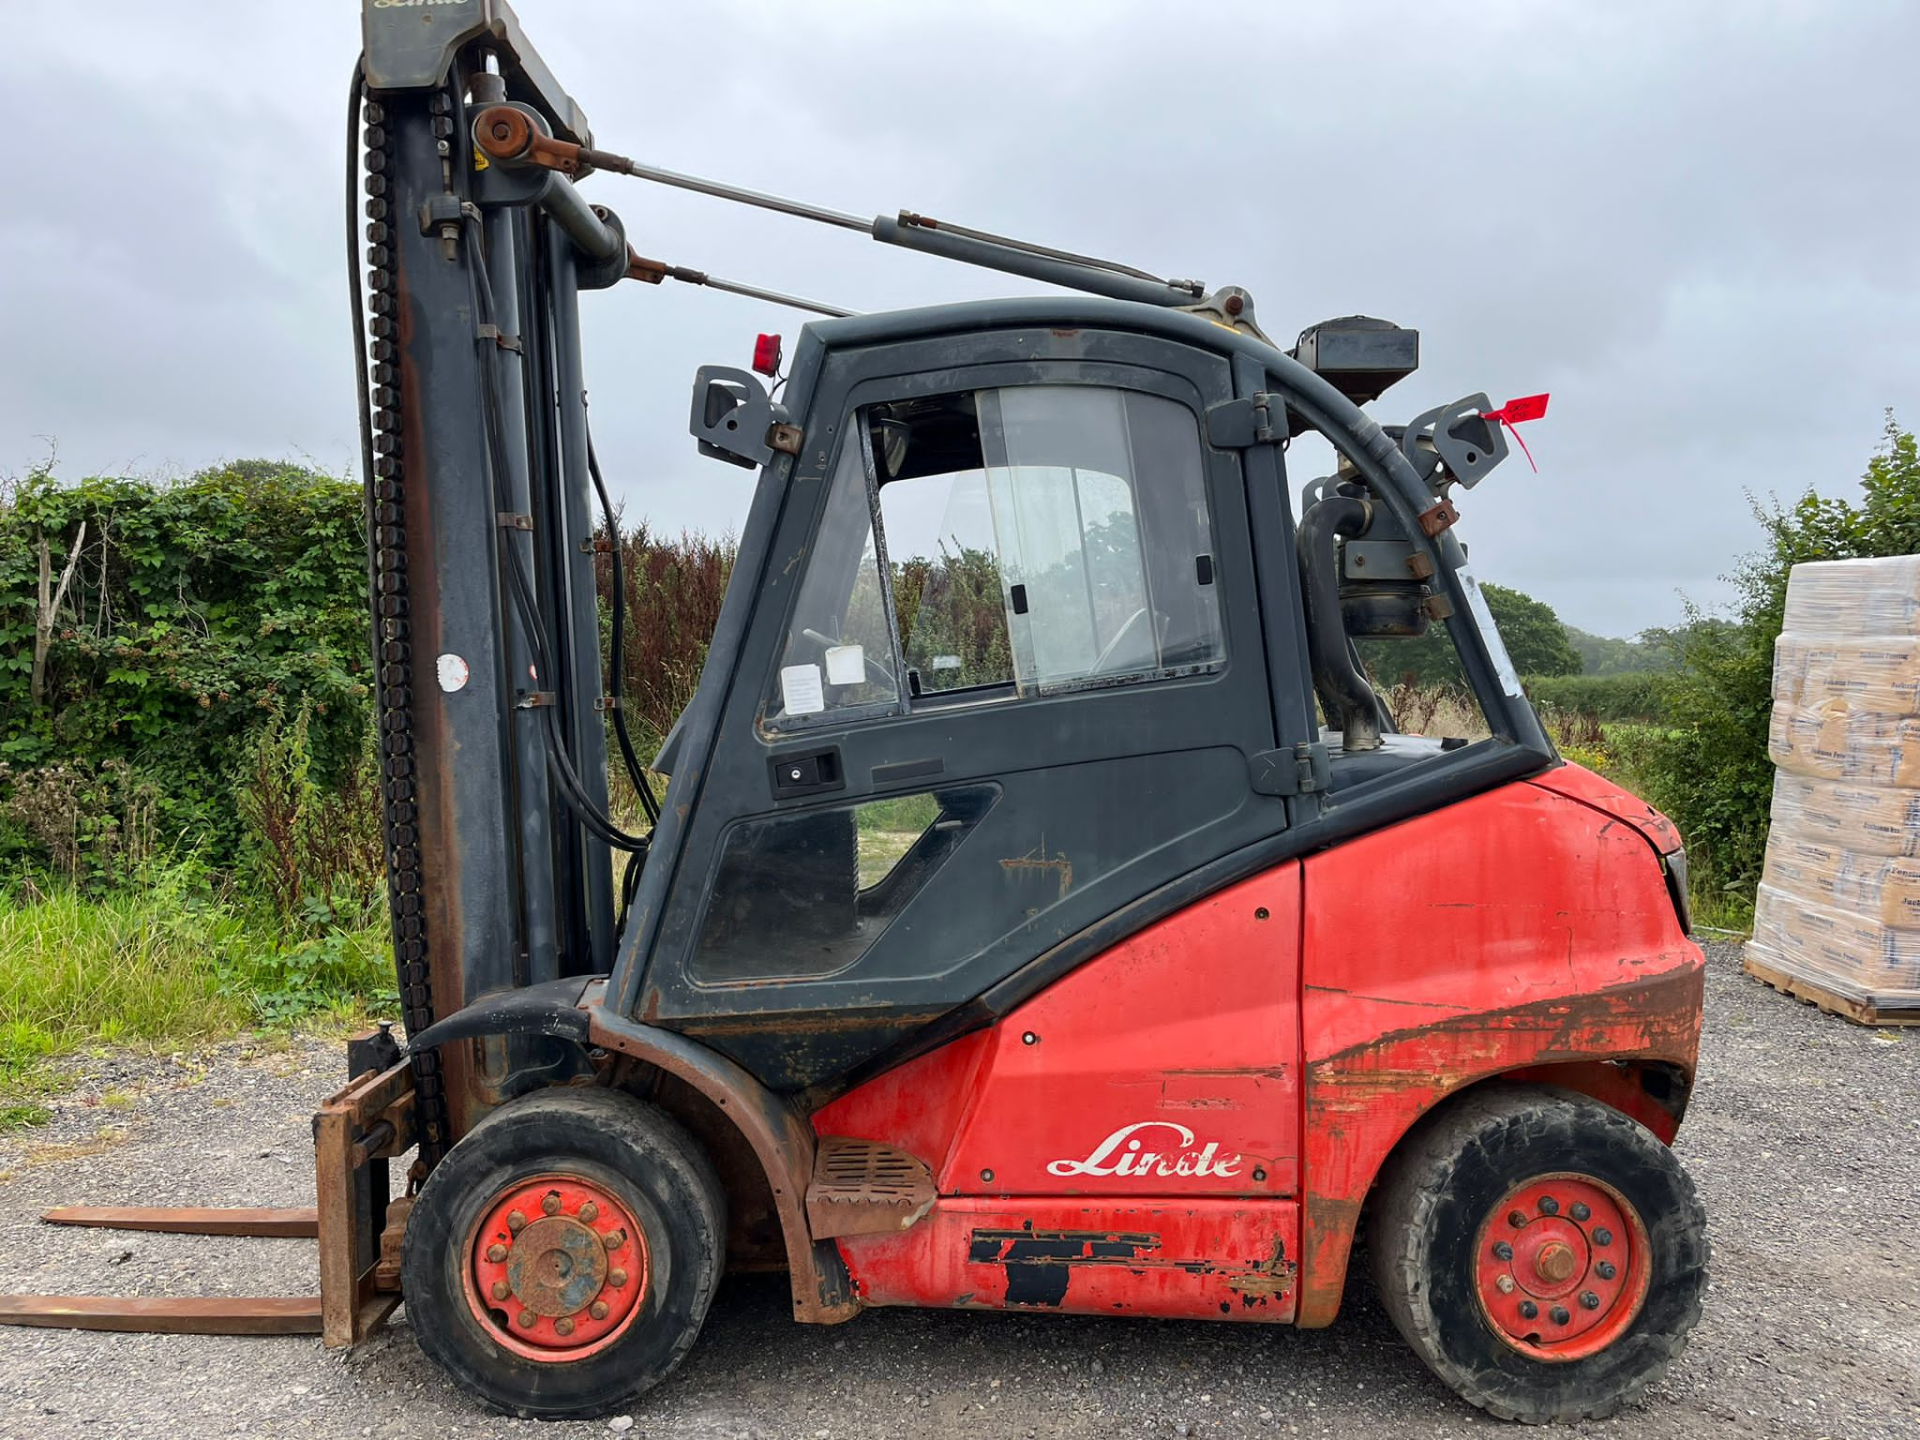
{"x":1691,"y":224}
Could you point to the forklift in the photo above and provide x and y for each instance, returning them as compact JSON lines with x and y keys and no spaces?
{"x":1044,"y":910}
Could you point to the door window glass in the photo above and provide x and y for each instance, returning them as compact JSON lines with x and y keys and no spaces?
{"x":1035,"y":538}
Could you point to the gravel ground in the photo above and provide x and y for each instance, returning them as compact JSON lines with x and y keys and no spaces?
{"x":1804,"y":1138}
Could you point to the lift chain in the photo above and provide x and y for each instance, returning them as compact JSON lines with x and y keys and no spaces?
{"x":393,"y":653}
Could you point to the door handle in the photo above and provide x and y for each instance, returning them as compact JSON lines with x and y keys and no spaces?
{"x":807,"y":772}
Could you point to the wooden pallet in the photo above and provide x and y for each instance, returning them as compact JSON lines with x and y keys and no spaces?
{"x":1861,"y":1012}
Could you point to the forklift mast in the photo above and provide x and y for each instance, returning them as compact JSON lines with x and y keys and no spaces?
{"x":482,"y":532}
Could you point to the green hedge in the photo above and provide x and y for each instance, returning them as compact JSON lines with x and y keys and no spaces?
{"x":196,"y":612}
{"x":1641,"y":697}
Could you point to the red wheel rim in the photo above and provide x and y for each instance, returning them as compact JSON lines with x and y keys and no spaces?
{"x":555,"y":1268}
{"x":1561,"y":1266}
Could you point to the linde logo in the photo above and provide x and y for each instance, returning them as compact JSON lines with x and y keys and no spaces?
{"x":1122,"y":1153}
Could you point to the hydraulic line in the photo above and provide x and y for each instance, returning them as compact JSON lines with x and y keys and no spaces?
{"x":636,"y":772}
{"x":600,"y":825}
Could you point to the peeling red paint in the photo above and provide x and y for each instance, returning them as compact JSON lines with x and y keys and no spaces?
{"x":1556,"y":933}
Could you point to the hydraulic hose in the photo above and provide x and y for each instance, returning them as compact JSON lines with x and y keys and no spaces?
{"x":1344,"y":692}
{"x":596,"y":821}
{"x":636,"y":772}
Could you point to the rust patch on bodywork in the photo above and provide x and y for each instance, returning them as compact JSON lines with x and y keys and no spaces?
{"x":1038,"y":862}
{"x":1040,"y":1263}
{"x":1361,"y":1100}
{"x":1037,"y":1262}
{"x":1270,"y":1279}
{"x":782,"y":1143}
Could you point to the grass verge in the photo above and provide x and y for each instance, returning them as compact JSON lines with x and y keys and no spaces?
{"x":167,"y":963}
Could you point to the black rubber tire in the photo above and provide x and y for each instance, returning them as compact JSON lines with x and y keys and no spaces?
{"x":1430,"y":1206}
{"x":642,"y":1157}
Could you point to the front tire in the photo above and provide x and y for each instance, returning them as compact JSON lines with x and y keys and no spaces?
{"x":560,"y":1260}
{"x":1544,"y":1254}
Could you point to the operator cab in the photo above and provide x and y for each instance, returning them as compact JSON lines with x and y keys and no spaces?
{"x":1022,"y":634}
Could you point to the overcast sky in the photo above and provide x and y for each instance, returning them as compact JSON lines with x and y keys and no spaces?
{"x":1698,"y":226}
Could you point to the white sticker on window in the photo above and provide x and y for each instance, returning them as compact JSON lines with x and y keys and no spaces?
{"x":847,"y":665}
{"x":451,"y":671}
{"x":1496,"y":647}
{"x":800,"y":690}
{"x":946,"y":662}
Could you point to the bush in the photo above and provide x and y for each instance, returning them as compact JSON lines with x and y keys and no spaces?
{"x":674,"y":589}
{"x":312,"y":843}
{"x":1638,"y":697}
{"x":193,"y":613}
{"x":1707,"y":767}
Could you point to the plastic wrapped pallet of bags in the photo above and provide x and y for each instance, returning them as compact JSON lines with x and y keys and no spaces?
{"x":1837,"y":918}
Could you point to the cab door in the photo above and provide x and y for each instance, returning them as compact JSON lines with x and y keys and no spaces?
{"x":1004,"y":675}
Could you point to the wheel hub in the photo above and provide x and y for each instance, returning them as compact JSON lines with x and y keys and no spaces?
{"x":1561,"y":1266}
{"x":557,"y":1267}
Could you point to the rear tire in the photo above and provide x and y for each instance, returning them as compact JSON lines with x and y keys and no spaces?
{"x":1544,"y":1254}
{"x":521,"y":1279}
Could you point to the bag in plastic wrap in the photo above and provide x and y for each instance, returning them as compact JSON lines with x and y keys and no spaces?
{"x":1836,"y":740}
{"x":1847,"y":598}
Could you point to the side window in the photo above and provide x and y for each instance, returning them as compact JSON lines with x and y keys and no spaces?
{"x":1036,"y":539}
{"x":805,"y":893}
{"x":839,"y":650}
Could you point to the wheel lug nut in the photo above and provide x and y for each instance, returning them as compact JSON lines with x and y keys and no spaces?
{"x":589,"y":1212}
{"x":501,"y":1290}
{"x":1549,"y":1205}
{"x":1580,"y":1212}
{"x":496,"y":1253}
{"x":516,"y":1222}
{"x":1528,"y":1310}
{"x":1517,"y":1218}
{"x":550,"y":1202}
{"x":1504,"y":1284}
{"x":1502,"y":1250}
{"x":1559,"y":1315}
{"x":598,"y":1310}
{"x":616,"y":1278}
{"x":1605,"y":1270}
{"x":563,"y":1326}
{"x":1589,"y":1300}
{"x":615,"y":1239}
{"x":1603,"y":1236}
{"x":527,"y":1319}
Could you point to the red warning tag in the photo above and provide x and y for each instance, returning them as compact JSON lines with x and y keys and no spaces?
{"x":1518,"y":412}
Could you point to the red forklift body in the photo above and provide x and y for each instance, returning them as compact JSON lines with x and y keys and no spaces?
{"x":1192,"y":1120}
